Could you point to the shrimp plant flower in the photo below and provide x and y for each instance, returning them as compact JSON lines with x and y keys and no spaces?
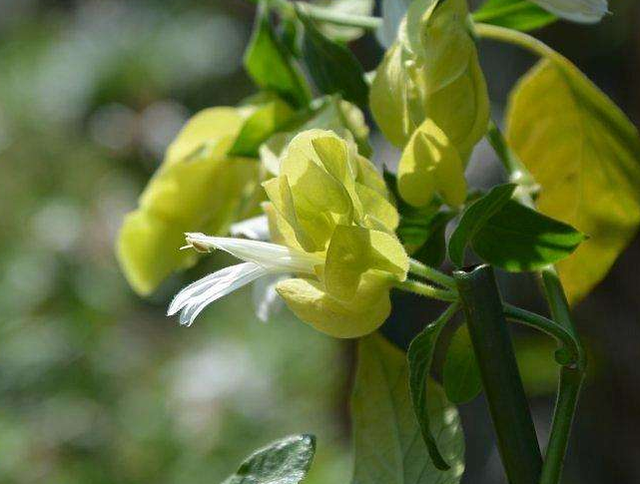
{"x":332,"y":227}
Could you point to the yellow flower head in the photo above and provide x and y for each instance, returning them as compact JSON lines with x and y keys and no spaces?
{"x":332,"y":225}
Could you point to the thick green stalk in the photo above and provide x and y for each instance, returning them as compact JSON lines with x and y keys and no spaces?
{"x":501,"y":380}
{"x":571,"y":377}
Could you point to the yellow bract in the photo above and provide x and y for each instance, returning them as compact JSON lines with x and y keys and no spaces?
{"x":331,"y":201}
{"x":197,"y":188}
{"x":360,"y":315}
{"x":430,"y":164}
{"x":431,"y":73}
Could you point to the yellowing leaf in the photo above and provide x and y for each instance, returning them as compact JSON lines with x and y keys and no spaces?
{"x":585,"y":154}
{"x":430,"y":164}
{"x":363,"y":314}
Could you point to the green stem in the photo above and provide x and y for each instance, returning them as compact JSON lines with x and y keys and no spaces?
{"x":426,"y":290}
{"x":560,"y":333}
{"x":516,"y":37}
{"x":570,"y":378}
{"x":569,"y":386}
{"x":431,"y":274}
{"x":518,"y":173}
{"x":566,"y":402}
{"x":501,"y":380}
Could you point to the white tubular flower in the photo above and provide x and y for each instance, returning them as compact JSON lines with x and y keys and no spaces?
{"x":583,"y":11}
{"x":261,"y":258}
{"x":273,"y":257}
{"x":256,"y":228}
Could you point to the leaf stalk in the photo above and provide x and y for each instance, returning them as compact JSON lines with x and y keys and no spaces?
{"x":427,"y":290}
{"x":431,"y":274}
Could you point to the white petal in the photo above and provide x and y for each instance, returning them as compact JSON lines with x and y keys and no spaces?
{"x":266,"y":301}
{"x":583,"y":11}
{"x":195,"y":297}
{"x":270,"y":256}
{"x":256,"y":228}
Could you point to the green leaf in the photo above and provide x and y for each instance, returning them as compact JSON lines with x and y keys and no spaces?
{"x":285,"y":461}
{"x":461,"y":375}
{"x":474,"y":217}
{"x":388,"y":447}
{"x":585,"y":154}
{"x":517,"y":238}
{"x":269,"y":63}
{"x":434,"y":250}
{"x":332,"y":66}
{"x":514,"y":14}
{"x":420,"y":357}
{"x":263,"y":122}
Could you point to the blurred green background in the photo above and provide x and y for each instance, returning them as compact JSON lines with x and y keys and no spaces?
{"x":97,"y":385}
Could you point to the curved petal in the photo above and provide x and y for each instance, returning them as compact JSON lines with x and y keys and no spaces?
{"x":195,"y":297}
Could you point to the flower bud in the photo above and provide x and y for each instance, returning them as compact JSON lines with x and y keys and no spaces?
{"x":432,"y":72}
